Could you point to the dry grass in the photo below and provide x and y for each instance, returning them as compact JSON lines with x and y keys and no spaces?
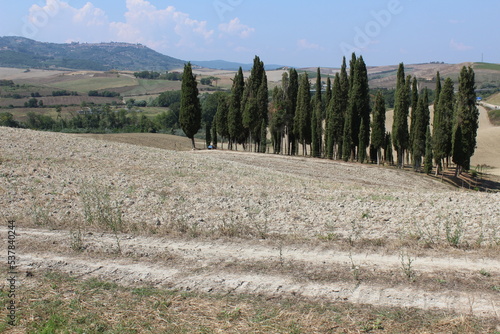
{"x":59,"y":303}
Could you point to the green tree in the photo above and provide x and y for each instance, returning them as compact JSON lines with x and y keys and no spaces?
{"x":208,"y":135}
{"x":277,"y":120}
{"x":443,"y":124}
{"x":215,"y":140}
{"x":419,"y":129}
{"x":466,"y":120}
{"x":190,"y":113}
{"x":221,"y":118}
{"x":400,"y":135}
{"x":388,"y":149}
{"x":263,"y":137}
{"x":317,"y":118}
{"x":428,"y":151}
{"x":378,"y":125}
{"x":302,"y":119}
{"x":414,"y":106}
{"x":234,"y":119}
{"x":291,"y":90}
{"x":358,"y":111}
{"x":343,"y":102}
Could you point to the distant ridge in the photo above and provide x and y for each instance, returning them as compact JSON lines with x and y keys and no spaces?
{"x":22,"y":52}
{"x":230,"y":66}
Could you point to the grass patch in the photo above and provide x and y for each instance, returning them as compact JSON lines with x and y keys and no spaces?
{"x":57,"y":303}
{"x":494,"y":116}
{"x":487,"y":66}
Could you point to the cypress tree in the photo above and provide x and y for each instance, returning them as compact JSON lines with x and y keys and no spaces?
{"x":302,"y":119}
{"x":263,"y":137}
{"x":428,"y":151}
{"x":263,"y":105}
{"x":400,"y":135}
{"x":317,"y":119}
{"x":378,"y":126}
{"x":328,"y":96}
{"x":343,"y":102}
{"x":442,"y":126}
{"x":358,"y":111}
{"x":388,"y":149}
{"x":437,"y":90}
{"x":420,"y":128}
{"x":277,"y":121}
{"x":466,"y":119}
{"x":221,"y":118}
{"x":208,"y":135}
{"x":364,"y":106}
{"x":414,"y":105}
{"x":214,"y":134}
{"x":190,"y":111}
{"x":334,"y":119}
{"x":234,"y":118}
{"x":362,"y":142}
{"x":291,"y":93}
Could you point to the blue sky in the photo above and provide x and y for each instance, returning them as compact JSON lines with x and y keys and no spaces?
{"x":295,"y":33}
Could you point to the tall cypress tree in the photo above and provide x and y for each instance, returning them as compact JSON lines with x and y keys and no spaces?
{"x":317,"y":119}
{"x":442,"y":125}
{"x":358,"y":112}
{"x":208,"y":134}
{"x":235,"y":118}
{"x":190,"y":111}
{"x":400,"y":135}
{"x":420,"y":128}
{"x":302,"y":119}
{"x":221,"y":117}
{"x":214,"y":134}
{"x":437,"y":90}
{"x":343,"y":102}
{"x":428,"y":151}
{"x":328,"y":96}
{"x":378,"y":125}
{"x":466,"y":119}
{"x":263,"y":137}
{"x":414,"y":105}
{"x":291,"y":105}
{"x":364,"y":107}
{"x":362,"y":142}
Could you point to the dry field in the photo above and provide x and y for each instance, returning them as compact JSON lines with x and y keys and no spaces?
{"x":220,"y":241}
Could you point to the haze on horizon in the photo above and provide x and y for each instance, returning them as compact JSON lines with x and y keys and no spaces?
{"x":297,"y":33}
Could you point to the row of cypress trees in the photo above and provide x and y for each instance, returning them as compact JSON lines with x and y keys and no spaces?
{"x":340,"y":123}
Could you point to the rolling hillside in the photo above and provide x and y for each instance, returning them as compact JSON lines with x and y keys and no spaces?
{"x":22,"y":52}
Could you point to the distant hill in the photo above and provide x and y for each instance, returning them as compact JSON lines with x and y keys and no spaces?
{"x":21,"y":52}
{"x":230,"y":66}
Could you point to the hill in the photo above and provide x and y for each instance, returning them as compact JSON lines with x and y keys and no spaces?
{"x":22,"y":52}
{"x":231,"y":66}
{"x":238,"y":240}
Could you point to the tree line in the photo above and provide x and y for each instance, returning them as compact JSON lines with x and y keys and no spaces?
{"x":340,"y":121}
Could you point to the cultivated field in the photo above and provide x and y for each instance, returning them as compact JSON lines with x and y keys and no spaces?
{"x":116,"y":237}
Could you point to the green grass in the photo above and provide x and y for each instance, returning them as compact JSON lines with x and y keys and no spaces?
{"x":487,"y":66}
{"x":494,"y":116}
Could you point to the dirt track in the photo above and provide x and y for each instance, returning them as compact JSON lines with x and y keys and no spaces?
{"x":231,"y":222}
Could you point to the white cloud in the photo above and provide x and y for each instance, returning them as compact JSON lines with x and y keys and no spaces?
{"x":303,"y":44}
{"x":236,"y":28}
{"x":459,"y":46}
{"x":161,"y":29}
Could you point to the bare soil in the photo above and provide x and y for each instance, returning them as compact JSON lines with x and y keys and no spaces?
{"x":234,"y":222}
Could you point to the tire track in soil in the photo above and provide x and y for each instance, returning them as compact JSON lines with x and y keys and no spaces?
{"x":186,"y":274}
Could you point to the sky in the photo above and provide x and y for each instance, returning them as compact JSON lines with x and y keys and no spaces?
{"x":294,"y":33}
